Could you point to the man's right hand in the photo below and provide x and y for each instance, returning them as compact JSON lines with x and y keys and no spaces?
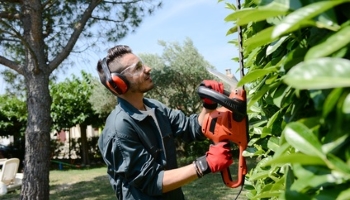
{"x":218,"y":158}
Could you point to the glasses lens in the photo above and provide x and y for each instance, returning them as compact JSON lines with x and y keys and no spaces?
{"x":134,"y":70}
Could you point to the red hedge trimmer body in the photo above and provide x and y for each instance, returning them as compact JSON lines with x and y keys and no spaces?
{"x":228,"y":123}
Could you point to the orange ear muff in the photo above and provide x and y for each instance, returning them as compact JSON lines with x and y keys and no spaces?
{"x":114,"y":81}
{"x":121,"y":85}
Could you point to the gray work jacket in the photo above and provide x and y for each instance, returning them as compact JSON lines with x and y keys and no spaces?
{"x":137,"y":154}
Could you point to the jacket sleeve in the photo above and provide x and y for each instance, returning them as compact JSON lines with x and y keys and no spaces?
{"x":124,"y":153}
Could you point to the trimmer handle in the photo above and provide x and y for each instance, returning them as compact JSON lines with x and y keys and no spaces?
{"x":240,"y":138}
{"x":242,"y":171}
{"x":236,"y":105}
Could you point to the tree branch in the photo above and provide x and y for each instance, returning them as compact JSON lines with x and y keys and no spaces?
{"x":16,"y":35}
{"x":79,"y":27}
{"x":106,"y":19}
{"x":9,"y":40}
{"x":12,"y":65}
{"x":122,"y":2}
{"x":9,"y":16}
{"x":12,"y":1}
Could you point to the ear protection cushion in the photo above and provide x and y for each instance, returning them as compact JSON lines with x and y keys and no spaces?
{"x":121,"y":84}
{"x":114,"y":81}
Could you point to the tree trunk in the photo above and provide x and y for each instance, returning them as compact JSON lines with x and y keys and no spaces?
{"x":37,"y":135}
{"x":84,"y":146}
{"x":37,"y":139}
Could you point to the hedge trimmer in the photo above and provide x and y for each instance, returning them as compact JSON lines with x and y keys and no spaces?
{"x":228,"y":123}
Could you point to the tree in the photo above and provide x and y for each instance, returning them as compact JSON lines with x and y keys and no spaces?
{"x":297,"y":61}
{"x":36,"y":37}
{"x":70,"y":106}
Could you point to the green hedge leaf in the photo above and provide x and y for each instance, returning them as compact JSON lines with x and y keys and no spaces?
{"x":331,"y":101}
{"x":289,"y":177}
{"x":335,"y":144}
{"x":296,"y":158}
{"x":267,"y":194}
{"x":243,"y":17}
{"x":273,"y":144}
{"x":273,"y":46}
{"x":250,"y":152}
{"x":322,"y":73}
{"x":272,"y":119}
{"x":230,"y":5}
{"x":346,"y":105}
{"x":254,"y":75}
{"x":279,"y":95}
{"x":301,"y":17}
{"x":259,"y":39}
{"x":336,"y":193}
{"x":261,"y":93}
{"x":260,"y":175}
{"x":303,"y":139}
{"x":282,"y":150}
{"x":345,"y":194}
{"x":332,"y":44}
{"x":232,"y":30}
{"x":337,"y":164}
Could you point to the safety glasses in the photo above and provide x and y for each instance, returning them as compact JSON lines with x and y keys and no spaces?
{"x":134,"y":69}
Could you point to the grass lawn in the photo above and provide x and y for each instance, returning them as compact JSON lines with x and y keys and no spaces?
{"x":93,"y":184}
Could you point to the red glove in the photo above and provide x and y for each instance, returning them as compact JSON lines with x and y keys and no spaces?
{"x":214,"y":85}
{"x":216,"y":159}
{"x":219,"y":157}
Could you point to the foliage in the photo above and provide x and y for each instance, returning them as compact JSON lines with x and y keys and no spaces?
{"x":70,"y":103}
{"x":108,"y":22}
{"x":70,"y":106}
{"x":17,"y":86}
{"x":13,"y":116}
{"x":101,"y":99}
{"x":61,"y":19}
{"x":297,"y":61}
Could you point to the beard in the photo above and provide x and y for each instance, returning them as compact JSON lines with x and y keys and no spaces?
{"x":138,"y":87}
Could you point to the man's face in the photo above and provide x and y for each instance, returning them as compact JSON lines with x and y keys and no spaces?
{"x":137,"y":73}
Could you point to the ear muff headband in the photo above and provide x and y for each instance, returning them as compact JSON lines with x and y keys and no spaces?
{"x":114,"y":81}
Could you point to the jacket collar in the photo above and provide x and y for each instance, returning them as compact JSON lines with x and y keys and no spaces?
{"x":132,"y":111}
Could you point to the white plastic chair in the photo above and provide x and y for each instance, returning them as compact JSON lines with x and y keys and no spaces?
{"x":9,"y":175}
{"x":2,"y":160}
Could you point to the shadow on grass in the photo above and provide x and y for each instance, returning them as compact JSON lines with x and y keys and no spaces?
{"x":98,"y":188}
{"x":95,"y":189}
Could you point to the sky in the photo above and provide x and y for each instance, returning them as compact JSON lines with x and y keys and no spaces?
{"x":202,"y":21}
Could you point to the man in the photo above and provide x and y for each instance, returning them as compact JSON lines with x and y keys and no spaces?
{"x":137,"y":142}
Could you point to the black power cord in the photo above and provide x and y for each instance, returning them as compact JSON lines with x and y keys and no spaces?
{"x":240,"y":190}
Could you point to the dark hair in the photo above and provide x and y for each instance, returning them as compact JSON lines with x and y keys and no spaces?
{"x":112,"y":58}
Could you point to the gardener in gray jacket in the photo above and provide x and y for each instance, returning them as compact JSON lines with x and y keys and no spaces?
{"x":138,"y":141}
